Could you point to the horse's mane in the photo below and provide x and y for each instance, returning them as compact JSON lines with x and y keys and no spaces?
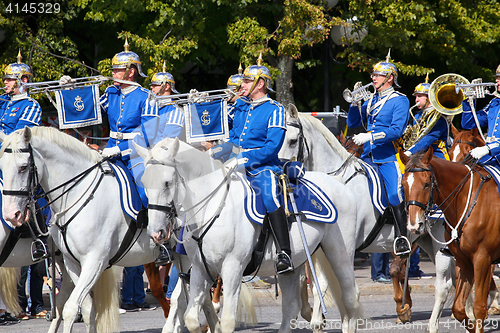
{"x":55,"y":136}
{"x":415,"y":161}
{"x":327,"y":134}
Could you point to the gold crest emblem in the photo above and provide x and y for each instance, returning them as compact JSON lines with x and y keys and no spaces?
{"x":316,"y":205}
{"x":205,"y":118}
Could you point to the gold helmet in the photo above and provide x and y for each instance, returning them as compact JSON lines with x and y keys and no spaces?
{"x":256,"y":72}
{"x":234,"y":82}
{"x":498,"y":71}
{"x":162,"y":78}
{"x":126,"y":59}
{"x":423,"y":88}
{"x":387,"y":68}
{"x":17,"y":70}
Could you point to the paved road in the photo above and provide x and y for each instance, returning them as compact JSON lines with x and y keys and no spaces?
{"x":376,"y":298}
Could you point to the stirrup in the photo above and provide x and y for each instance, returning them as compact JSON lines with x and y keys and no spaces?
{"x":404,"y":249}
{"x":284,"y":259}
{"x":165,"y":256}
{"x":446,"y":251}
{"x":38,"y":250}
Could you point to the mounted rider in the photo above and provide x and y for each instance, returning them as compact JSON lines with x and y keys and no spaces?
{"x":17,"y":110}
{"x":488,"y":116}
{"x":127,"y":106}
{"x":170,"y":124}
{"x":437,"y":137}
{"x":386,"y":115}
{"x":257,"y":134}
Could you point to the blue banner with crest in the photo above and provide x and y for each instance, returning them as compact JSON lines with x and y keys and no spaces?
{"x":78,"y":107}
{"x":206,"y":121}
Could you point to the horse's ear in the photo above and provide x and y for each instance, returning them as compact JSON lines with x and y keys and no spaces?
{"x":341,"y":137}
{"x":426,"y":159}
{"x":402,"y":156}
{"x":474,"y":132}
{"x":292,"y":111}
{"x":454,"y":130}
{"x":175,"y":148}
{"x":27,"y":134}
{"x":143,"y":152}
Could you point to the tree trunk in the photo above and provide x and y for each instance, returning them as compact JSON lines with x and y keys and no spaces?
{"x":284,"y":85}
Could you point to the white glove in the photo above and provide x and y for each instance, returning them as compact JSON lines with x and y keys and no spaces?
{"x":362,"y":138}
{"x":65,"y":79}
{"x":111,"y":151}
{"x":479,"y":152}
{"x":231,"y":164}
{"x":408,"y":153}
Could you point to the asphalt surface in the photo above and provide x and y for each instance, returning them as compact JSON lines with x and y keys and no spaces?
{"x":377,"y":298}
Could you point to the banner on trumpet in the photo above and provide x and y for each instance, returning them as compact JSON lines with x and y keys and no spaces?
{"x":206,"y":121}
{"x":78,"y":107}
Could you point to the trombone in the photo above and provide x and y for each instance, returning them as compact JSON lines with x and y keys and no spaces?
{"x":198,"y":96}
{"x":38,"y":87}
{"x":358,"y":94}
{"x":477,"y":89}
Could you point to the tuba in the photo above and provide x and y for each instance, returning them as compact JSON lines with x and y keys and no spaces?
{"x":445,"y":96}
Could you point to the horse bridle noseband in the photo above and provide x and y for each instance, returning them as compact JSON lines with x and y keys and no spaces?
{"x":428,"y":208}
{"x":302,"y":141}
{"x":32,"y":175}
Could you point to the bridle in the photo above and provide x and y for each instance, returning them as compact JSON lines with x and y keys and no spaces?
{"x":349,"y":143}
{"x":428,"y":207}
{"x":302,"y":141}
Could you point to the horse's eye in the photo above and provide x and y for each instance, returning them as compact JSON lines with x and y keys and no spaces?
{"x":23,"y":168}
{"x":427,"y":186}
{"x":166,"y":184}
{"x":293,"y":142}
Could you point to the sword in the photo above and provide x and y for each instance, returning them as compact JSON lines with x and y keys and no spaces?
{"x":306,"y":247}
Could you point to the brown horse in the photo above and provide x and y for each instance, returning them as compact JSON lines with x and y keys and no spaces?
{"x":463,"y":143}
{"x":471,"y":205}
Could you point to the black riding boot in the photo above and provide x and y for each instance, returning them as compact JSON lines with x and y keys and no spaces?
{"x":279,"y":228}
{"x":402,"y":246}
{"x":446,"y":251}
{"x":165,"y":256}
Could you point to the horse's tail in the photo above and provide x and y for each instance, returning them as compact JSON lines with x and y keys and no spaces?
{"x":246,"y":308}
{"x":333,"y":294}
{"x":9,"y":278}
{"x":106,"y":301}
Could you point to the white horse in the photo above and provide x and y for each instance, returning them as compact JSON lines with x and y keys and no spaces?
{"x":321,"y":151}
{"x":88,"y":224}
{"x":213,"y":203}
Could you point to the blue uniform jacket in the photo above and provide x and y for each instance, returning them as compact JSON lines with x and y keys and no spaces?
{"x":19,"y":111}
{"x":126,"y":109}
{"x":386,"y":120}
{"x":259,"y":129}
{"x":488,"y":116}
{"x":437,"y":137}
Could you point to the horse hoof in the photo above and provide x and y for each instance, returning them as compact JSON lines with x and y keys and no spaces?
{"x":404,"y":314}
{"x":493,"y":311}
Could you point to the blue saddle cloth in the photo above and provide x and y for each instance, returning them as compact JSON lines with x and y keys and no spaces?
{"x":377,"y":191}
{"x":310,"y":200}
{"x":129,"y":196}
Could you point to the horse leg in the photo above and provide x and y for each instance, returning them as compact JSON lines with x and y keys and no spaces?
{"x":305,"y":311}
{"x":175,"y":319}
{"x":397,"y":272}
{"x":290,"y":298}
{"x":494,"y":308}
{"x":482,"y":282}
{"x":216,"y":295}
{"x":156,"y":286}
{"x":442,"y":286}
{"x":199,"y":287}
{"x":464,"y":278}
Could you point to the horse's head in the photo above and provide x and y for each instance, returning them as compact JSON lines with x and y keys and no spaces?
{"x":162,"y":184}
{"x":295,"y":144}
{"x":20,"y":175}
{"x":419,"y":186}
{"x":463,"y":143}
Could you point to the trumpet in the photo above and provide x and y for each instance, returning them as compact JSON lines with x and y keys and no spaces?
{"x":38,"y":87}
{"x":359,"y":94}
{"x":476,"y":89}
{"x":198,"y":96}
